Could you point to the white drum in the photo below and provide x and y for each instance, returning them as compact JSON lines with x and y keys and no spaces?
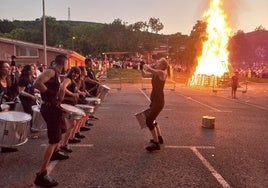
{"x":38,"y":123}
{"x":141,"y":117}
{"x":87,"y":108}
{"x":14,"y":128}
{"x":93,"y":100}
{"x":103,"y":92}
{"x":72,"y":112}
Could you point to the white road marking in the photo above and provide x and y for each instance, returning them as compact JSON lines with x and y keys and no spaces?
{"x":74,"y":145}
{"x":247,"y":103}
{"x":218,"y":177}
{"x":189,"y":147}
{"x":203,"y":104}
{"x":52,"y":164}
{"x":145,"y":95}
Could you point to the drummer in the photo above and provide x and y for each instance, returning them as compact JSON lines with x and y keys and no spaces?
{"x":82,"y":99}
{"x":7,"y":86}
{"x":26,"y":89}
{"x":91,"y":82}
{"x":48,"y":84}
{"x":70,"y":86}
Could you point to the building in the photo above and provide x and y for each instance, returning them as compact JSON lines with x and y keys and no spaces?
{"x":29,"y":53}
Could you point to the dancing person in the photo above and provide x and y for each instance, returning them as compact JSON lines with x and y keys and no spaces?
{"x":234,"y":84}
{"x":48,"y":84}
{"x":159,"y":73}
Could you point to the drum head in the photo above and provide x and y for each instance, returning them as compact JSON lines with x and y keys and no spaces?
{"x":72,"y":109}
{"x":84,"y":106}
{"x":106,"y":87}
{"x":91,"y":99}
{"x":15,"y":116}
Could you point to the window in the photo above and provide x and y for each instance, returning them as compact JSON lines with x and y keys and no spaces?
{"x":22,"y":51}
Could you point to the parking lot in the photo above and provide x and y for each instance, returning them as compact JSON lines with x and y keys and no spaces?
{"x":233,"y":154}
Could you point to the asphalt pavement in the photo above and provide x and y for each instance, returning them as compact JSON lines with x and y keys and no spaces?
{"x":113,"y":155}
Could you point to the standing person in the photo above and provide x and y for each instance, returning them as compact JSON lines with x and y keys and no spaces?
{"x":48,"y":83}
{"x":5,"y":85}
{"x":159,"y":75}
{"x":91,"y":82}
{"x":234,"y":84}
{"x":27,"y":89}
{"x":70,"y":86}
{"x":13,"y":63}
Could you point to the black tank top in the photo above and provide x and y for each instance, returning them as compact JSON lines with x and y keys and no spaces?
{"x":157,"y":94}
{"x":53,"y":86}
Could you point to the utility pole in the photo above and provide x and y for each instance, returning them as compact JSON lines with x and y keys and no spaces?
{"x":44,"y":34}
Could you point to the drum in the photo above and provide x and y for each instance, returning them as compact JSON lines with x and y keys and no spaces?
{"x":5,"y":107}
{"x":72,"y":112}
{"x":103,"y":92}
{"x":93,"y":100}
{"x":14,"y":128}
{"x":87,"y":108}
{"x":208,"y":122}
{"x":141,"y":117}
{"x":38,"y":123}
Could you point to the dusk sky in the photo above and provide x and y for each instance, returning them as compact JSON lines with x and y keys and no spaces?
{"x":176,"y":15}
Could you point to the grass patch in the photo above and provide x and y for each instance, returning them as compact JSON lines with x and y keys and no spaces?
{"x":134,"y":76}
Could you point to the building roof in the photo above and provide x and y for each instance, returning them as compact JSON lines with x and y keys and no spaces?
{"x":33,"y":45}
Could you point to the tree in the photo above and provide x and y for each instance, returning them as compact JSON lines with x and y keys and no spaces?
{"x":194,"y":46}
{"x":260,"y":28}
{"x":155,"y":25}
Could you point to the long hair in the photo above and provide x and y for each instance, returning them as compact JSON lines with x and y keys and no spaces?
{"x":25,"y":72}
{"x":3,"y":73}
{"x":166,"y":66}
{"x":60,"y":59}
{"x":74,"y":70}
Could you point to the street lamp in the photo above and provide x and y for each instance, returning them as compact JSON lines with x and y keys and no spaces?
{"x":73,"y":38}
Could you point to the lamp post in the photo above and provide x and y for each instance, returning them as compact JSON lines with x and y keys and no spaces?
{"x":73,"y":38}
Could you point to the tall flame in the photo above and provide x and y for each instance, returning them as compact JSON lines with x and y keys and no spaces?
{"x":214,"y":58}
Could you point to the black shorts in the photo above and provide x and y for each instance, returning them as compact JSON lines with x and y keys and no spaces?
{"x":52,"y":115}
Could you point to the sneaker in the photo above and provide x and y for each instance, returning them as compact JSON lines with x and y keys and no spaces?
{"x":44,"y":180}
{"x":66,"y":148}
{"x":79,"y":135}
{"x":88,"y":124}
{"x":8,"y":150}
{"x":84,"y":129}
{"x":153,"y":146}
{"x":59,"y":156}
{"x":160,"y":140}
{"x":74,"y":140}
{"x":93,"y":118}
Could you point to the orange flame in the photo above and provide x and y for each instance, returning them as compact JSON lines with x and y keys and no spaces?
{"x":214,"y":58}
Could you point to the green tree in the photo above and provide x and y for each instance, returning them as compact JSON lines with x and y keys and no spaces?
{"x":155,"y":25}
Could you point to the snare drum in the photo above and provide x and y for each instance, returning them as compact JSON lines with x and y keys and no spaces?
{"x":141,"y":117}
{"x":87,"y":108}
{"x":103,"y":91}
{"x":38,"y":123}
{"x":72,"y":112}
{"x":13,"y":128}
{"x":93,"y":100}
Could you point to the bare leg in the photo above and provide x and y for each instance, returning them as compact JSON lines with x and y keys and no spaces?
{"x":154,"y":135}
{"x":47,"y":155}
{"x":70,"y":124}
{"x":158,"y":131}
